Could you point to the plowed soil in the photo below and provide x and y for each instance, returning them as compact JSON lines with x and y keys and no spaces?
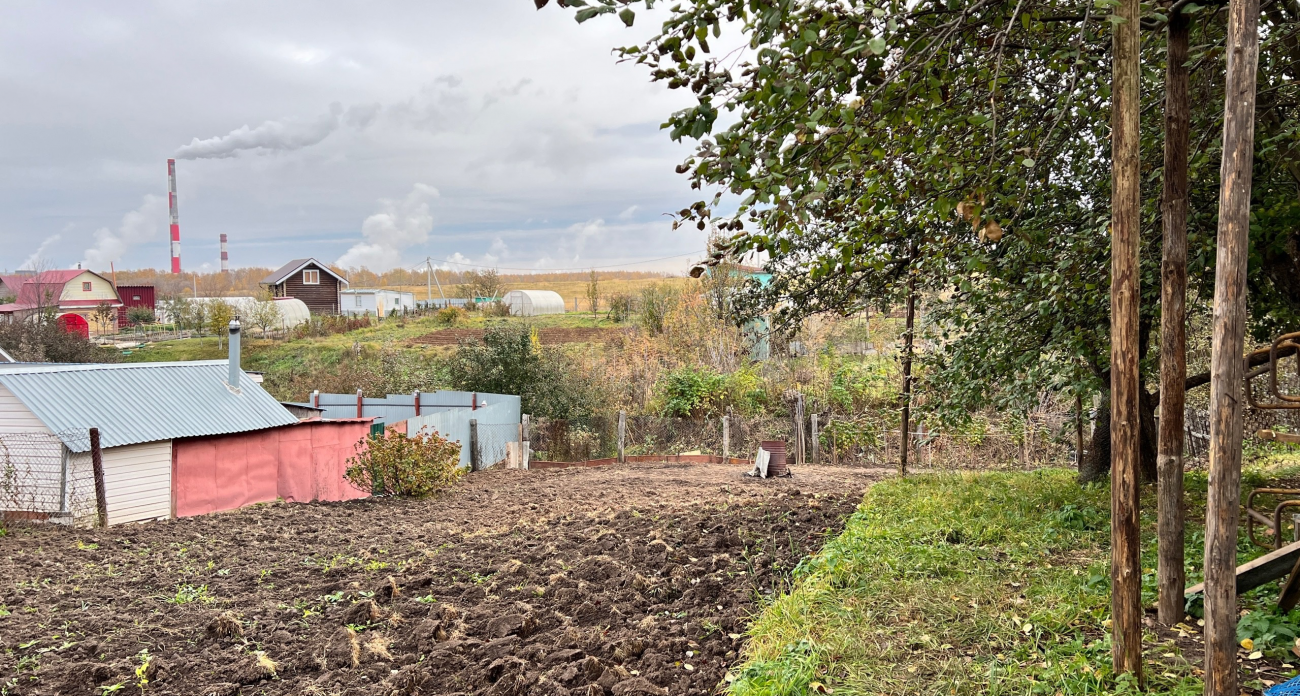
{"x":547,"y":337}
{"x":632,"y":579}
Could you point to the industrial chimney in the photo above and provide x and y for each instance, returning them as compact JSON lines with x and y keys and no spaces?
{"x":235,"y":368}
{"x":225,"y":257}
{"x":175,"y":216}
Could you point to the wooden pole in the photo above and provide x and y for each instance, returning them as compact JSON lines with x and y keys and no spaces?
{"x":1171,"y":573}
{"x":359,"y":404}
{"x":473,"y":445}
{"x":1126,"y":573}
{"x":726,"y":435}
{"x":622,"y":436}
{"x":798,"y":431}
{"x":1226,"y":368}
{"x":905,"y":443}
{"x":97,"y":469}
{"x":816,"y":444}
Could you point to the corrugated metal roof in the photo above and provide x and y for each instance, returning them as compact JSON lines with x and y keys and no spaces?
{"x":142,"y":402}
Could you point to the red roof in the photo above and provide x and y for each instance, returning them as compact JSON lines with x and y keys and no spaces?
{"x":32,"y":289}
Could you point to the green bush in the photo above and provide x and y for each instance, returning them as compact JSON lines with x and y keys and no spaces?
{"x":510,"y":361}
{"x":396,"y":464}
{"x":620,"y":307}
{"x":691,"y":391}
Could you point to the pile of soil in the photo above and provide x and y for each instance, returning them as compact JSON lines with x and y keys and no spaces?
{"x":548,"y":337}
{"x":631,"y":579}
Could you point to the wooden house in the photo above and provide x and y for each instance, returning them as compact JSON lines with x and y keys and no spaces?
{"x":308,"y":280}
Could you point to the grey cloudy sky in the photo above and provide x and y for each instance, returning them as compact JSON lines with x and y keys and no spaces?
{"x":374,"y":133}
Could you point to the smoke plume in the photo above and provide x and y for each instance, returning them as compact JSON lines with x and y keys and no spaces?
{"x":284,"y":136}
{"x":143,"y":224}
{"x":400,"y":225}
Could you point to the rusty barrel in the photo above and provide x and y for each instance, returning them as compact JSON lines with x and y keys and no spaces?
{"x":776,"y":464}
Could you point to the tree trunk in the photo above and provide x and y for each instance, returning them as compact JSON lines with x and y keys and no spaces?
{"x":1096,"y":466}
{"x":1223,"y":501}
{"x":1173,"y":320}
{"x":1125,"y":379}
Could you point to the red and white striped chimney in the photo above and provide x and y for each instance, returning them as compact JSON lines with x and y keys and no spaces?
{"x":175,"y":216}
{"x":225,"y":257}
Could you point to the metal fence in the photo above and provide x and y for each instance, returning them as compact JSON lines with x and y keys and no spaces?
{"x":42,"y":480}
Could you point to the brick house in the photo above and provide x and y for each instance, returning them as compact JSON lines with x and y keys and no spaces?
{"x":310,"y":281}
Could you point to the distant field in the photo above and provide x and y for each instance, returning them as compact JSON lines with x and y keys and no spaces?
{"x":568,"y":289}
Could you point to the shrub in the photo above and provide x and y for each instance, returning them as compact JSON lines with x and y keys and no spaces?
{"x":691,"y":391}
{"x":449,"y":316}
{"x":620,"y":307}
{"x":396,"y":464}
{"x":139,"y":315}
{"x":510,"y":361}
{"x":496,"y":309}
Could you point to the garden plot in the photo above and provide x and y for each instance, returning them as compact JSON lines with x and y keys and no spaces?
{"x":634,"y":579}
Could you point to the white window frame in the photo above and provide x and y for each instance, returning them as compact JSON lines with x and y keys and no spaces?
{"x":311,"y":276}
{"x":358,"y":296}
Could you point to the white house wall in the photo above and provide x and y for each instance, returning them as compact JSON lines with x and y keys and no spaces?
{"x":138,"y":482}
{"x":16,"y":417}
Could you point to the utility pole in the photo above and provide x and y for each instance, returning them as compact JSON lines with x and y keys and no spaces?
{"x":1226,"y":368}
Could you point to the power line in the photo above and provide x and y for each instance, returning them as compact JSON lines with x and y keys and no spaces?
{"x":563,"y":270}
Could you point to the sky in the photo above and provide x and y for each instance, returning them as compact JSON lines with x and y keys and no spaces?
{"x":366,"y":134}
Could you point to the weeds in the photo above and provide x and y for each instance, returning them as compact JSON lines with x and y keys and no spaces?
{"x":187,"y":594}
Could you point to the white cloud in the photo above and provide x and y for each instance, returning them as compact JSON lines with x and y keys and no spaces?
{"x":400,"y":225}
{"x":629,"y":212}
{"x":144,"y":224}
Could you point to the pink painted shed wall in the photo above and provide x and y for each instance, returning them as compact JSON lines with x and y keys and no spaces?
{"x":299,"y":463}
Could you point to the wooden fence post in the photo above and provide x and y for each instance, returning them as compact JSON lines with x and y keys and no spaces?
{"x":816,"y":445}
{"x":1226,"y":368}
{"x":622,"y":434}
{"x":1126,"y":203}
{"x":525,"y":447}
{"x":473,"y":445}
{"x":798,"y":431}
{"x":726,"y":435}
{"x":416,"y":396}
{"x":359,"y":404}
{"x":1170,"y":569}
{"x":97,"y":467}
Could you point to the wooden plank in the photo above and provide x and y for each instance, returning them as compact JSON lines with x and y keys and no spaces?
{"x":1286,"y":438}
{"x":1266,"y":568}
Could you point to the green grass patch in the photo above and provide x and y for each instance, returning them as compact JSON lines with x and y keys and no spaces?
{"x":994,"y":583}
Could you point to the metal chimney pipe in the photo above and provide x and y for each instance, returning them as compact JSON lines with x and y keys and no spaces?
{"x":235,"y":368}
{"x":175,"y":215}
{"x":225,"y":256}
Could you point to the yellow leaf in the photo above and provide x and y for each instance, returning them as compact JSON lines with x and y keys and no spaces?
{"x":1255,"y":655}
{"x":1248,"y":644}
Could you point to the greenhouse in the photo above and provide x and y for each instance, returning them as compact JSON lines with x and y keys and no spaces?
{"x":531,"y":303}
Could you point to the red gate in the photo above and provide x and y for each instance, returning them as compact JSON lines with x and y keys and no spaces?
{"x":74,"y":324}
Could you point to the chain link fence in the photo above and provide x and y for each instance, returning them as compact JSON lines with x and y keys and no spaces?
{"x":493,"y":441}
{"x":43,"y":480}
{"x":1039,"y":440}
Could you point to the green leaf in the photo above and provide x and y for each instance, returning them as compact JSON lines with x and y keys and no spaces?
{"x":627,"y":15}
{"x":876,"y":45}
{"x":587,"y":13}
